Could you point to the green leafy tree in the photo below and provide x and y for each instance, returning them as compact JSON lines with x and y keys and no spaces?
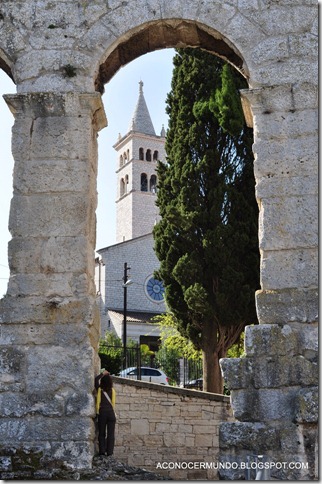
{"x":172,"y":341}
{"x":111,"y":353}
{"x":174,"y":346}
{"x":167,"y":359}
{"x":206,"y":241}
{"x":146,"y":355}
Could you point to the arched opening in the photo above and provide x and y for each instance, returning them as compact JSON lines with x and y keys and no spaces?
{"x":164,"y":34}
{"x":153,"y":183}
{"x":148,"y":155}
{"x":121,"y":91}
{"x":129,"y":45}
{"x":156,"y":37}
{"x":144,"y":182}
{"x":148,"y":182}
{"x":6,"y":121}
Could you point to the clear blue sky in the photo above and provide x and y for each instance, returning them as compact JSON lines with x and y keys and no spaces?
{"x":120,"y":97}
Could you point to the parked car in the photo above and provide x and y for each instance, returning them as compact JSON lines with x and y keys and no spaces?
{"x":196,"y":384}
{"x":154,"y":375}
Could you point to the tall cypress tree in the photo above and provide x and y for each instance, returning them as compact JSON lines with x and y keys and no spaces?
{"x":206,"y":241}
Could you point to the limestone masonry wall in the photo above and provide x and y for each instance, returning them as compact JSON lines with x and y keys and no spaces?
{"x":60,"y":54}
{"x":159,"y":426}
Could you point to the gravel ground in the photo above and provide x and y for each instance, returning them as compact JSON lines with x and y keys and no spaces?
{"x":108,"y":469}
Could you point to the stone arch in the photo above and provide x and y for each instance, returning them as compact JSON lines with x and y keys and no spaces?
{"x":164,"y":34}
{"x":11,"y":41}
{"x":5,"y":65}
{"x":57,"y":117}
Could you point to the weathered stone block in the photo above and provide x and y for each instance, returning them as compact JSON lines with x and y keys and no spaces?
{"x":75,"y":454}
{"x":305,"y":94}
{"x":263,"y":405}
{"x":287,"y":306}
{"x":276,"y":372}
{"x":280,"y":186}
{"x":269,"y":339}
{"x":288,"y":157}
{"x":170,"y":439}
{"x":49,"y":176}
{"x":290,"y":439}
{"x":282,"y":125}
{"x":5,"y":464}
{"x":266,"y":50}
{"x":36,"y":429}
{"x":50,"y":285}
{"x":307,"y":405}
{"x":289,"y":268}
{"x":237,"y":372}
{"x":46,"y":334}
{"x":140,"y":427}
{"x":80,"y":403}
{"x":309,"y":342}
{"x":285,"y":72}
{"x":65,"y":363}
{"x":21,"y":404}
{"x":277,"y":57}
{"x":250,"y":436}
{"x":65,"y":215}
{"x":97,"y":35}
{"x":48,"y":255}
{"x":55,"y":310}
{"x":69,"y":136}
{"x":285,"y":230}
{"x":12,"y":360}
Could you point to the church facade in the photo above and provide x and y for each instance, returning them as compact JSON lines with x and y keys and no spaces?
{"x":138,"y":152}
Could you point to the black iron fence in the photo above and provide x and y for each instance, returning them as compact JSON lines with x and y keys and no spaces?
{"x":181,"y":372}
{"x":116,"y":358}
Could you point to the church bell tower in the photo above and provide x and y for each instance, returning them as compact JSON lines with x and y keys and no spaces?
{"x":137,"y":154}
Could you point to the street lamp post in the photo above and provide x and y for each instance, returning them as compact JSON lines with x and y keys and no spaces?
{"x":126,"y":282}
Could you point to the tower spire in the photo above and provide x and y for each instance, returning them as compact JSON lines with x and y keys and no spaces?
{"x":141,"y":120}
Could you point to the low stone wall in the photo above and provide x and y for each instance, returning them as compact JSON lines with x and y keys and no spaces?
{"x":160,"y":428}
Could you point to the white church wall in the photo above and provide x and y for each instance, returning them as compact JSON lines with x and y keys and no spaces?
{"x":146,"y":213}
{"x":124,"y":214}
{"x":133,"y":329}
{"x":140,"y":256}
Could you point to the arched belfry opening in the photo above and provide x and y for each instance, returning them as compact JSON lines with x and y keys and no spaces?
{"x":49,"y":318}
